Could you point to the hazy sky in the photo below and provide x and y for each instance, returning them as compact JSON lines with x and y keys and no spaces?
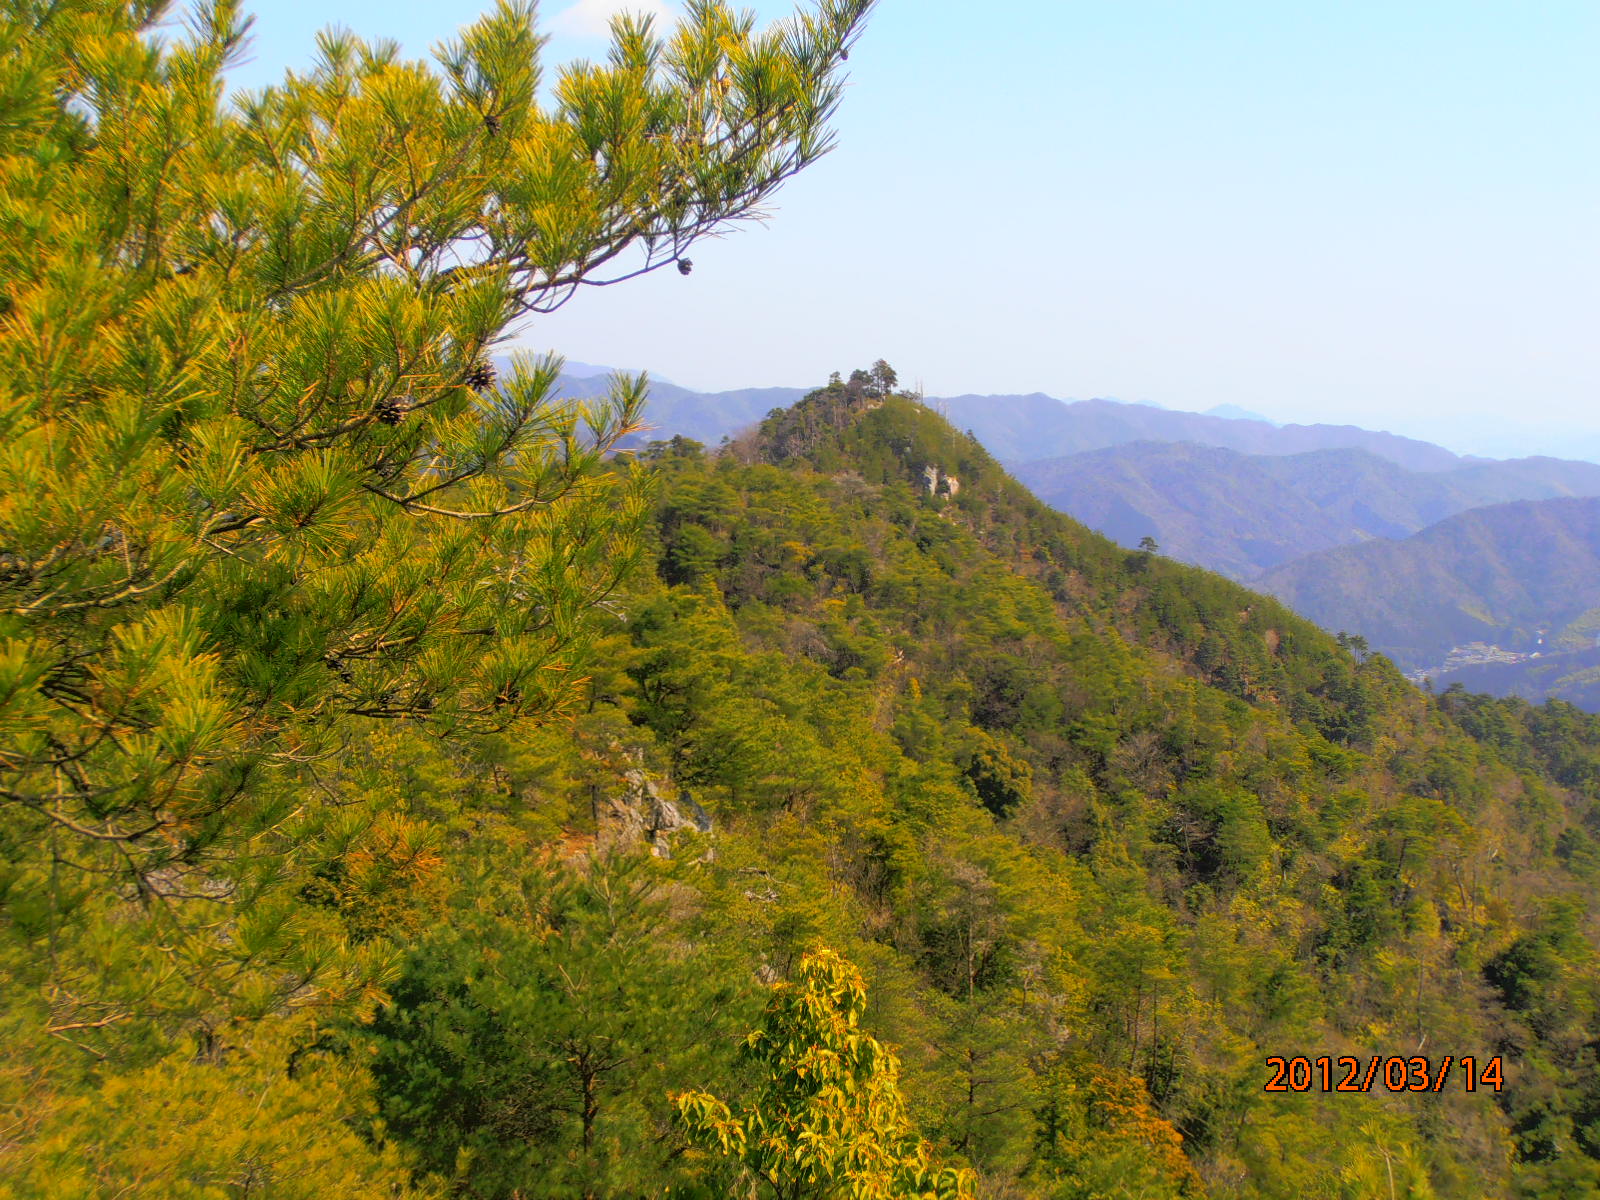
{"x":1381,"y":213}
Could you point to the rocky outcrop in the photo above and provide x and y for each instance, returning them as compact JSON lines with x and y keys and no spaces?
{"x":938,"y":483}
{"x":643,"y":814}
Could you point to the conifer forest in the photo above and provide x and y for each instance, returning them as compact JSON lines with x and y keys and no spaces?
{"x":418,"y":785}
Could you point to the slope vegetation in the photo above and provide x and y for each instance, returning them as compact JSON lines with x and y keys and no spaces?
{"x":1102,"y":832}
{"x":1106,"y":831}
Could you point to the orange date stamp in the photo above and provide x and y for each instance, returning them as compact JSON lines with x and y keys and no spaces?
{"x":1393,"y":1073}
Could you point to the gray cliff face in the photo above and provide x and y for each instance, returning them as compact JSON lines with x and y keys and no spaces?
{"x":643,"y":815}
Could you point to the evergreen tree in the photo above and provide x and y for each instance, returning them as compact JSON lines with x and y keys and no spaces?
{"x":528,"y":1047}
{"x":260,"y":481}
{"x":262,"y":489}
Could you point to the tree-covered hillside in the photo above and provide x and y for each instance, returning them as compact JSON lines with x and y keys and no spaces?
{"x":405,"y":797}
{"x":1189,"y":825}
{"x":1102,"y":832}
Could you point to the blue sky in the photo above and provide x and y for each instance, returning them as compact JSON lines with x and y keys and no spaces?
{"x":1375,"y":213}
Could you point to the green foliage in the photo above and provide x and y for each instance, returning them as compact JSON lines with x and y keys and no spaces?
{"x":1254,"y":839}
{"x":1099,"y":1136}
{"x":355,"y":712}
{"x":827,"y":1118}
{"x":264,"y":1119}
{"x":523,"y":1050}
{"x":264,"y":495}
{"x":261,"y":483}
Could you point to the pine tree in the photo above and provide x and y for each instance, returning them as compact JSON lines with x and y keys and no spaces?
{"x":527,"y":1049}
{"x":260,"y":482}
{"x":263,"y":488}
{"x":1098,"y":1135}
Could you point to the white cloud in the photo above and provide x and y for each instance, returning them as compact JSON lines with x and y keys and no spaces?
{"x":592,"y":18}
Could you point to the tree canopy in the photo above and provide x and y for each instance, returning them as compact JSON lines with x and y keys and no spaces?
{"x":260,"y":479}
{"x":827,"y":1118}
{"x":264,"y":488}
{"x":405,"y":795}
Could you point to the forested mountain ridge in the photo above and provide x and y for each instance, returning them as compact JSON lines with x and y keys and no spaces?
{"x":1034,"y":426}
{"x":1102,"y":831}
{"x":406,"y":797}
{"x":1163,"y":813}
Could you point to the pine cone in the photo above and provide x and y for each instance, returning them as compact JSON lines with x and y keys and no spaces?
{"x":481,"y":377}
{"x":389,"y":411}
{"x":685,"y":265}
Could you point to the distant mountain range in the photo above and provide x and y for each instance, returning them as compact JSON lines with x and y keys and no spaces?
{"x":1025,"y":428}
{"x":1243,"y":514}
{"x":1234,"y":413}
{"x":1573,"y":676}
{"x":704,"y":416}
{"x":1419,"y":550}
{"x":1522,"y":576}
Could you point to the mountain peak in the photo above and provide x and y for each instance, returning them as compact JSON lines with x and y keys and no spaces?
{"x":812,"y":423}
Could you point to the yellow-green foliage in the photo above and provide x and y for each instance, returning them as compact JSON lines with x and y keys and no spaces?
{"x":342,"y":688}
{"x":1100,"y":1136}
{"x":827,"y":1118}
{"x":260,"y":490}
{"x":260,"y":1118}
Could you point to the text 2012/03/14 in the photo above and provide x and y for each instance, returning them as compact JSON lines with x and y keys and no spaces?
{"x":1393,"y":1073}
